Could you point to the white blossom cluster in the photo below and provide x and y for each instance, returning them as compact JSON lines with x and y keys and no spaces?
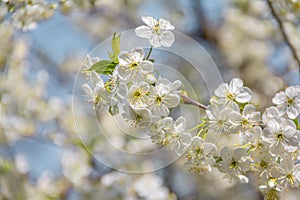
{"x":26,"y":14}
{"x":267,"y":144}
{"x":133,"y":187}
{"x":144,"y":98}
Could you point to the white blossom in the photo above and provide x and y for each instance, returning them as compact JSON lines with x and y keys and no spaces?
{"x":138,"y":95}
{"x":270,"y":114}
{"x":157,"y":32}
{"x":288,"y":102}
{"x":75,"y":166}
{"x":116,"y":87}
{"x":132,"y":65}
{"x":234,"y":164}
{"x":150,"y":187}
{"x":200,"y":156}
{"x":163,"y":97}
{"x":263,"y":163}
{"x":281,"y":134}
{"x":245,"y":121}
{"x":288,"y":173}
{"x":141,"y":117}
{"x":233,"y":92}
{"x":218,"y":118}
{"x":172,"y":134}
{"x":97,"y":93}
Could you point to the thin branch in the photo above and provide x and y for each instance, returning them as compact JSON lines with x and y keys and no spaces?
{"x":187,"y":100}
{"x":149,"y":53}
{"x":284,"y":34}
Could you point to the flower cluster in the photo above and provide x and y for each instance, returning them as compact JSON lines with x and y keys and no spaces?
{"x":267,"y":144}
{"x":144,"y":98}
{"x":26,"y":14}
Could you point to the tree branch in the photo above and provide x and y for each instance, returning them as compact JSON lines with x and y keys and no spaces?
{"x":284,"y":34}
{"x":187,"y":100}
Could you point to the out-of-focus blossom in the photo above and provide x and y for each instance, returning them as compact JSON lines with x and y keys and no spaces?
{"x":157,"y":32}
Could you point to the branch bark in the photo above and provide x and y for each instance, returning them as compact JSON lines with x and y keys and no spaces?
{"x":187,"y":100}
{"x":283,"y":32}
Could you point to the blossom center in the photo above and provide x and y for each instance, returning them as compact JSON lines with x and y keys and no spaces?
{"x":158,"y":100}
{"x":220,"y":123}
{"x":137,"y":94}
{"x":245,"y":123}
{"x":199,"y":151}
{"x":263,"y":164}
{"x":279,"y":136}
{"x":290,"y":102}
{"x":230,"y":96}
{"x":234,"y":164}
{"x":133,"y":65}
{"x":290,"y":178}
{"x":156,"y":28}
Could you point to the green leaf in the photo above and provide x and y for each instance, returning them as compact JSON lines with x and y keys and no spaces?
{"x":115,"y":45}
{"x":104,"y":67}
{"x":110,"y":68}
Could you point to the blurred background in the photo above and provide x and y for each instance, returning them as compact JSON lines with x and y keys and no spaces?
{"x":43,"y":44}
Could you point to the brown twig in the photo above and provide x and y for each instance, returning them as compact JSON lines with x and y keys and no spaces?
{"x":284,"y":34}
{"x":187,"y":100}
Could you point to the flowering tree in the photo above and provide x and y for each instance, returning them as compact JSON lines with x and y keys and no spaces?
{"x":267,"y":145}
{"x":234,"y":141}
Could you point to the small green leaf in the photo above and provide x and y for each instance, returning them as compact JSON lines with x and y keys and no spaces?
{"x":115,"y":43}
{"x":104,"y":67}
{"x":110,"y":68}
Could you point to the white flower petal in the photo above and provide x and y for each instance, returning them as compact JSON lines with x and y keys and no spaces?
{"x":137,"y":54}
{"x":166,"y":38}
{"x":154,"y":41}
{"x":238,"y":153}
{"x":292,"y":112}
{"x":124,"y":58}
{"x":226,"y":154}
{"x":146,"y":66}
{"x":143,"y":32}
{"x":150,"y":21}
{"x":221,"y":90}
{"x":165,"y":24}
{"x":87,"y":89}
{"x":209,"y":148}
{"x":292,"y":91}
{"x":279,"y":98}
{"x":172,"y":100}
{"x":235,"y":84}
{"x":248,"y":109}
{"x":235,"y":117}
{"x":244,"y":95}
